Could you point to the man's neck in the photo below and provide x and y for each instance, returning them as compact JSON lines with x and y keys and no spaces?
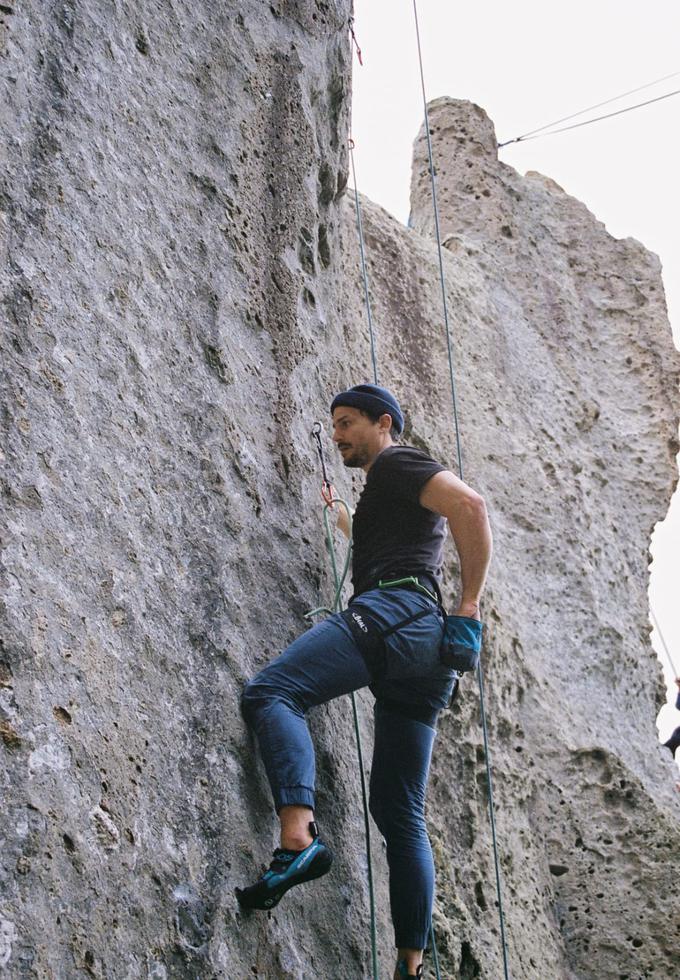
{"x":388,"y":445}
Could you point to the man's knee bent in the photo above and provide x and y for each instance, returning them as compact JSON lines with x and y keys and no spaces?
{"x":261,"y":693}
{"x":253,"y":699}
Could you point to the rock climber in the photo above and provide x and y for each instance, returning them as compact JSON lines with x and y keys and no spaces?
{"x":390,"y":638}
{"x":674,"y":741}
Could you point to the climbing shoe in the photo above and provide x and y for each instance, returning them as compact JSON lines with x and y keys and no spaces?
{"x":288,"y":868}
{"x":403,"y":971}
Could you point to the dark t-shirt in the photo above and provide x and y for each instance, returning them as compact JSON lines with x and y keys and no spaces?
{"x":393,"y":535}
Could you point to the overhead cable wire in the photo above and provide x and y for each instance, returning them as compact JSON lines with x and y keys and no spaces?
{"x":587,"y":122}
{"x":487,"y":754}
{"x":590,"y":108}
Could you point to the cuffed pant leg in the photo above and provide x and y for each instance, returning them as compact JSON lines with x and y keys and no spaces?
{"x":320,"y":665}
{"x":399,"y":774}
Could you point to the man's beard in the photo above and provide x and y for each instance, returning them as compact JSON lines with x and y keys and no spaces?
{"x":356,"y":458}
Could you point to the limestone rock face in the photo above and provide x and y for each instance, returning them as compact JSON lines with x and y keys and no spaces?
{"x":180,"y":297}
{"x":568,"y":411}
{"x":169,"y":215}
{"x":567,"y":387}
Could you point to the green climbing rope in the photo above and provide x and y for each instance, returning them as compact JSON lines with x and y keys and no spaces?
{"x":339,"y":579}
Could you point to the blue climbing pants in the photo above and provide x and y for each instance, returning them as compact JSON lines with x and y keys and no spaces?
{"x":324,"y":663}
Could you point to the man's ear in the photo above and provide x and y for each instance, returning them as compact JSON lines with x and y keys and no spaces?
{"x":385,"y":421}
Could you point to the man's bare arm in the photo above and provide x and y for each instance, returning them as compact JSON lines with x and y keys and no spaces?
{"x":344,"y":520}
{"x":344,"y":514}
{"x":466,"y":513}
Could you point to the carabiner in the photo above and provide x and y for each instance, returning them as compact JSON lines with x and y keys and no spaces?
{"x":317,"y":429}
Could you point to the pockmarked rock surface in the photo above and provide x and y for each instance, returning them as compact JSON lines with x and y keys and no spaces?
{"x":180,"y":297}
{"x":568,"y":408}
{"x":169,"y":214}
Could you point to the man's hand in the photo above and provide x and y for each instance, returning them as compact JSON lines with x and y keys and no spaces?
{"x":330,"y":498}
{"x":677,"y":681}
{"x":469,"y":609}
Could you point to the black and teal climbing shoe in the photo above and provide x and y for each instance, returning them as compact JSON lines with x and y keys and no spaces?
{"x":402,"y":970}
{"x":289,"y":868}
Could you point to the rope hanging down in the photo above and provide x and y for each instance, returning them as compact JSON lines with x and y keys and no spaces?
{"x":339,"y":579}
{"x":663,"y":643}
{"x":460,"y":466}
{"x":587,"y":122}
{"x":362,"y":250}
{"x":374,"y":363}
{"x":362,"y":253}
{"x":371,"y":334}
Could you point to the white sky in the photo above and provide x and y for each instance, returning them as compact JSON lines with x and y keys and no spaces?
{"x":526,"y":64}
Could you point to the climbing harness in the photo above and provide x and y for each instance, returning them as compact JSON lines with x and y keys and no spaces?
{"x":462,"y":641}
{"x":411,"y":582}
{"x":487,"y":755}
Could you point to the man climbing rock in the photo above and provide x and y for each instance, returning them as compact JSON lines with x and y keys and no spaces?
{"x":390,"y":638}
{"x":673,"y":742}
